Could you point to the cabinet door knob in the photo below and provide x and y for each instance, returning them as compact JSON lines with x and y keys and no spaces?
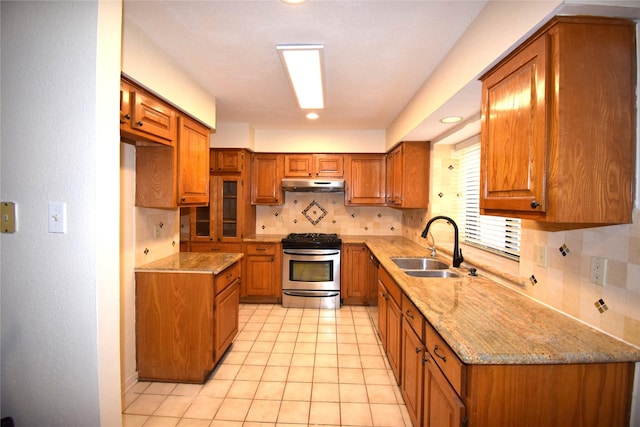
{"x":127,"y":116}
{"x":534,"y":204}
{"x":139,"y":123}
{"x":418,"y":349}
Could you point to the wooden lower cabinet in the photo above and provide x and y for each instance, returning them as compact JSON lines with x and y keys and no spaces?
{"x":383,"y":308}
{"x":439,"y":390}
{"x":263,"y":273}
{"x":390,"y":319}
{"x":184,"y":323}
{"x":355,"y":283}
{"x":441,"y":405}
{"x":226,"y":310}
{"x":413,"y":353}
{"x":597,"y":394}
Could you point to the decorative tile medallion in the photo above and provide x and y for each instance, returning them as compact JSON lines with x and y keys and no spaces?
{"x":601,"y":306}
{"x":312,"y":215}
{"x":533,"y":280}
{"x":564,"y":249}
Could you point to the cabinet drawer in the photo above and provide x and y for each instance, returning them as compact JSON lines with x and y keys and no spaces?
{"x":227,"y":277}
{"x":260,"y":249}
{"x":390,"y":284}
{"x":413,"y":317}
{"x":445,"y":358}
{"x":216,"y":247}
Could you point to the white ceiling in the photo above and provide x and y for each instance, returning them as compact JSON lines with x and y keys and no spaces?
{"x":377,"y":54}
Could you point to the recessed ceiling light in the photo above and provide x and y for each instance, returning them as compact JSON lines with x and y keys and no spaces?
{"x":303,"y":64}
{"x":312,"y":116}
{"x":452,"y":119}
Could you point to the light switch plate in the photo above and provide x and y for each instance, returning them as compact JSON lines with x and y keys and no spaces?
{"x":7,"y":217}
{"x":57,"y":217}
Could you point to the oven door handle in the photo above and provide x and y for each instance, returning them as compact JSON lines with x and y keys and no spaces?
{"x":310,"y":252}
{"x":306,"y":294}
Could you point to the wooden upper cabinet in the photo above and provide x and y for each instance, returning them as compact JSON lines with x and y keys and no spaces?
{"x":227,"y":160}
{"x":144,"y":117}
{"x":266,"y":179}
{"x":193,"y":162}
{"x":172,"y":151}
{"x":407,"y":180}
{"x":558,"y":129}
{"x":314,"y":165}
{"x":365,"y":179}
{"x":125,"y":104}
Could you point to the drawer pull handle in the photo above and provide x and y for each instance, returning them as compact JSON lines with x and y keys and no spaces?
{"x":409,"y":314}
{"x":435,"y":351}
{"x":261,"y":249}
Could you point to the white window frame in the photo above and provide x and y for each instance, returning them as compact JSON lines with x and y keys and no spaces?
{"x":499,"y":235}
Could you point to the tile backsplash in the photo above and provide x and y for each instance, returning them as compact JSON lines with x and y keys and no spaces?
{"x":157,"y":234}
{"x":565,"y":282}
{"x":326,"y":213}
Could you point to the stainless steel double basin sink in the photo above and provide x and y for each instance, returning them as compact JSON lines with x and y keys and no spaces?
{"x":424,"y":267}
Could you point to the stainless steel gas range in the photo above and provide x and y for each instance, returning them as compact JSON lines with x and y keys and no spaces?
{"x":311,"y":270}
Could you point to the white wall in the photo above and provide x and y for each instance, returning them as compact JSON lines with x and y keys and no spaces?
{"x":364,"y":141}
{"x":147,"y":63}
{"x":234,"y":135}
{"x":59,"y":334}
{"x":499,"y":26}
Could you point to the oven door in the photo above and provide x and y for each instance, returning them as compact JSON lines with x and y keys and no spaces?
{"x":311,"y":269}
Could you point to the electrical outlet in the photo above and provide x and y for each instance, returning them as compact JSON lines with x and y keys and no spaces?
{"x":598,"y":270}
{"x":541,"y":256}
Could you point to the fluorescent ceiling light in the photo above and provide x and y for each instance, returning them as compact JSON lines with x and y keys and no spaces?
{"x":303,"y":64}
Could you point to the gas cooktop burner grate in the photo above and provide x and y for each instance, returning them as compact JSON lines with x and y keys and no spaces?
{"x":311,"y":240}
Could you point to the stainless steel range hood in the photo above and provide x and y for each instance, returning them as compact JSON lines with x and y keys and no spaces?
{"x":313,"y":185}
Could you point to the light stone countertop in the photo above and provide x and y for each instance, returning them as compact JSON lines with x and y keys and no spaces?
{"x":264,"y":238}
{"x":192,"y":262}
{"x":487,"y":323}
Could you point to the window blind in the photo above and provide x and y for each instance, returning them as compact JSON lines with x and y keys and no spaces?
{"x":492,"y":233}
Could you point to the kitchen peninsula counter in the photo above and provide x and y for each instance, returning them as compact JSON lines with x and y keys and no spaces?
{"x":194,"y":262}
{"x":187,"y":311}
{"x":487,"y":323}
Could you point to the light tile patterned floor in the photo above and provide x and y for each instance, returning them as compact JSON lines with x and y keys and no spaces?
{"x":287,"y":367}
